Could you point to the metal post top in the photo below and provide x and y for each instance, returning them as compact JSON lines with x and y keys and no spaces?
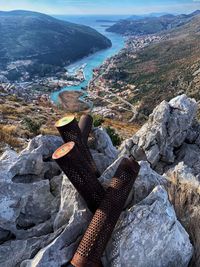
{"x":63,"y":150}
{"x":64,"y":121}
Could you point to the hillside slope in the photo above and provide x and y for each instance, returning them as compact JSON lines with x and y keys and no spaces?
{"x":151,"y":25}
{"x":162,"y":70}
{"x":35,"y":36}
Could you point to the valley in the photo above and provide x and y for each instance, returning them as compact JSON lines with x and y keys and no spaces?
{"x":123,"y":90}
{"x":150,"y":69}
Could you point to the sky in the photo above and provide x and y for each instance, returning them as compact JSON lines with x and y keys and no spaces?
{"x":84,"y":7}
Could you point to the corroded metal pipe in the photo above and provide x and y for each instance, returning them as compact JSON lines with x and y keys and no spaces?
{"x":94,"y":241}
{"x":85,"y":125}
{"x":70,"y":131}
{"x":77,"y":169}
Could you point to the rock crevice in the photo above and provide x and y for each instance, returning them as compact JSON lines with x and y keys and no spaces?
{"x":42,"y":217}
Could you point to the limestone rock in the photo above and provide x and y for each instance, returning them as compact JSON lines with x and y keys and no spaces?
{"x":9,"y":155}
{"x":24,"y":206}
{"x":24,"y":193}
{"x":13,"y":252}
{"x":61,"y":250}
{"x":110,"y":171}
{"x":166,"y":129}
{"x":35,"y":163}
{"x":190,"y":155}
{"x":146,"y":180}
{"x":149,"y":234}
{"x":184,"y":193}
{"x":42,"y":216}
{"x":44,"y":145}
{"x":69,"y":198}
{"x":102,"y":161}
{"x":103,"y":143}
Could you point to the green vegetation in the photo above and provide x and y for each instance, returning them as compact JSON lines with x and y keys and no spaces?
{"x":116,"y":139}
{"x":163,"y":70}
{"x":32,"y":126}
{"x":97,"y":120}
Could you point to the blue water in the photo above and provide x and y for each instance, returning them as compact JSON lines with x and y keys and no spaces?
{"x":94,"y":60}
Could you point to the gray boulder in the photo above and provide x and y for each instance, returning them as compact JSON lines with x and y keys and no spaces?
{"x":145,"y":182}
{"x":61,"y":250}
{"x":166,"y":129}
{"x":44,"y":145}
{"x":184,"y":193}
{"x":13,"y":252}
{"x":103,"y":143}
{"x":69,"y":198}
{"x":42,"y":217}
{"x":25,"y":191}
{"x":190,"y":155}
{"x":149,"y":234}
{"x":103,"y":152}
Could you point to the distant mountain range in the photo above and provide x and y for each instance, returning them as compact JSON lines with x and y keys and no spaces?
{"x":150,"y":15}
{"x":47,"y":40}
{"x":151,"y":24}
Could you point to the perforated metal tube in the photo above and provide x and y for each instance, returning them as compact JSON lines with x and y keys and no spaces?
{"x":94,"y":241}
{"x":85,"y":125}
{"x":74,"y":165}
{"x":70,"y":131}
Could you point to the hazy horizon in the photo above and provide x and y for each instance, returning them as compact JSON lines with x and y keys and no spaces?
{"x":101,"y":7}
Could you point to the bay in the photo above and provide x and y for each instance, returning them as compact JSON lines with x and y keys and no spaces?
{"x":99,"y":23}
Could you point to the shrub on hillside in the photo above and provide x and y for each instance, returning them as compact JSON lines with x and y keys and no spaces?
{"x":116,"y":139}
{"x":97,"y":120}
{"x":32,"y":125}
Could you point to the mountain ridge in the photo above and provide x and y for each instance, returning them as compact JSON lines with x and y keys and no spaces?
{"x":151,"y":24}
{"x":45,"y":39}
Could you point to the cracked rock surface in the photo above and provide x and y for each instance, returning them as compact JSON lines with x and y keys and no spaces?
{"x":166,"y":130}
{"x":149,"y":234}
{"x":42,"y":217}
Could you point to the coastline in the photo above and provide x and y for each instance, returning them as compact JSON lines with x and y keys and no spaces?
{"x":71,"y":101}
{"x":93,"y":61}
{"x":111,"y":94}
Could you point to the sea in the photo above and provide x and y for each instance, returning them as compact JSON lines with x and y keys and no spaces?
{"x":99,"y":23}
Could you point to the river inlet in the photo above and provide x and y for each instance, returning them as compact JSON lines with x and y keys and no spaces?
{"x":95,"y":60}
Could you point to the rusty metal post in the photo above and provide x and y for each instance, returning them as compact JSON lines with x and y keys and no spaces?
{"x":74,"y":165}
{"x":70,"y":131}
{"x":85,"y":125}
{"x":94,"y":241}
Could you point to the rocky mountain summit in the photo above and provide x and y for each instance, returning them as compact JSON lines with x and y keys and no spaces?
{"x":42,"y":217}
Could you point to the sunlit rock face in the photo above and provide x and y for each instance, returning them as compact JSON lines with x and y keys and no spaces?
{"x":160,"y":140}
{"x":42,"y":217}
{"x":184,"y":193}
{"x":149,"y":234}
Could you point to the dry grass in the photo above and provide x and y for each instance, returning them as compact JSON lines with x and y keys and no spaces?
{"x":8,"y":135}
{"x":48,"y":131}
{"x":14,"y":112}
{"x":185,"y":196}
{"x":124,"y":129}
